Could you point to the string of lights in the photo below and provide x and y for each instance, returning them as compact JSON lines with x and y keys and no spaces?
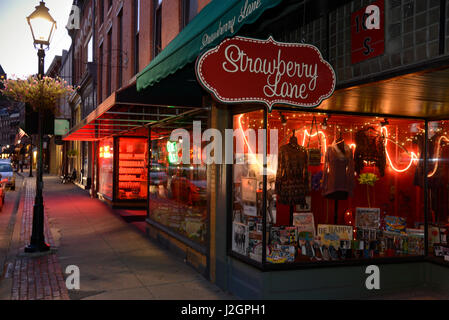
{"x":414,"y":158}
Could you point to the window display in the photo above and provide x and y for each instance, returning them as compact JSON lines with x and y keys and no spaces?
{"x":339,"y":187}
{"x":132,"y":168}
{"x":177,"y":190}
{"x":438,"y":184}
{"x":106,"y":170}
{"x":248,"y":186}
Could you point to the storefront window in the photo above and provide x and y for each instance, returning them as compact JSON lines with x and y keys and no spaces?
{"x":338,"y":188}
{"x":132,"y":169}
{"x":105,"y":164}
{"x":178,"y":191}
{"x":438,"y":183}
{"x":247,"y":220}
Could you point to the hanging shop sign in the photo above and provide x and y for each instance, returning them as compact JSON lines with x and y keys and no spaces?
{"x":368,"y":32}
{"x":245,"y":70}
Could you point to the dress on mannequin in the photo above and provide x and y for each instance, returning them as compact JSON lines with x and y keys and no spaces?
{"x":338,"y":182}
{"x":292,"y":177}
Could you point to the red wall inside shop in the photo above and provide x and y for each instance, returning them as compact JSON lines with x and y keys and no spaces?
{"x":395,"y":193}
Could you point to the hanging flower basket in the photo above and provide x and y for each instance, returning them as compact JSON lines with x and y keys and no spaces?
{"x":42,"y":94}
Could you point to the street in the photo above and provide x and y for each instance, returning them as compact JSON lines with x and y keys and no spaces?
{"x":115,"y":259}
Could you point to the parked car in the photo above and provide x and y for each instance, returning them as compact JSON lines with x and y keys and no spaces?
{"x":7,"y":174}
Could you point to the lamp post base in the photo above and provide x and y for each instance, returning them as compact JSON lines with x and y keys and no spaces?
{"x":37,"y":243}
{"x":41,"y":247}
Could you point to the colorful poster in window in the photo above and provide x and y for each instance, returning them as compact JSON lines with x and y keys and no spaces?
{"x":333,"y":234}
{"x":367,"y":218}
{"x":305,"y":224}
{"x":395,"y":224}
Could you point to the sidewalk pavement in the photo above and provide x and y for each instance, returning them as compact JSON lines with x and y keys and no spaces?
{"x":115,"y":259}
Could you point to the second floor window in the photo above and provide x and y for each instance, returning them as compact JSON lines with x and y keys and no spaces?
{"x":136,"y":34}
{"x":189,"y":11}
{"x":109,"y":64}
{"x":120,"y":50}
{"x":100,"y":74}
{"x":157,"y":28}
{"x":90,"y":50}
{"x":101,"y":9}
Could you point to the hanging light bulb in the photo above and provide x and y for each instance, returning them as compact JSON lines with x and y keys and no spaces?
{"x":324,"y":124}
{"x":283,"y":120}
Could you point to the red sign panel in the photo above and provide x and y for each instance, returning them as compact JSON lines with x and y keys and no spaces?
{"x":368,"y":32}
{"x":243,"y":70}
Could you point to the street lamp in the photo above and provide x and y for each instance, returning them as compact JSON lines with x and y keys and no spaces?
{"x":42,"y":27}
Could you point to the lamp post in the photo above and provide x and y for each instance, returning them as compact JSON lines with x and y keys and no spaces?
{"x":31,"y":158}
{"x":42,"y":26}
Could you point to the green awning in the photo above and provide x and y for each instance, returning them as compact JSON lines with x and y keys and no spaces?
{"x":218,"y":20}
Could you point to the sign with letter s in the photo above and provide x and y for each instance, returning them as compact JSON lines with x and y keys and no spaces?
{"x":368,"y":32}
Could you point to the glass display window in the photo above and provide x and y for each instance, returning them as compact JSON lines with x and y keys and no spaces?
{"x":106,"y":167}
{"x":132,"y":168}
{"x":438,"y":188}
{"x":177,"y":190}
{"x":247,"y":186}
{"x":338,"y":188}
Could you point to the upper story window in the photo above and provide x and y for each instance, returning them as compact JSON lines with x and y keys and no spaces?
{"x":189,"y":11}
{"x":100,"y":73}
{"x":137,"y":8}
{"x":109,"y":64}
{"x":120,"y":49}
{"x":101,"y":13}
{"x":157,"y":28}
{"x":90,"y":50}
{"x":136,"y":34}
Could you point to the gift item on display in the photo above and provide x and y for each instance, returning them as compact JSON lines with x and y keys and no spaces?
{"x":367,"y":218}
{"x":314,"y":153}
{"x":304,"y":223}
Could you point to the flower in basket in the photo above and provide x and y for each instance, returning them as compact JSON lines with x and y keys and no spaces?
{"x":41,"y":93}
{"x":368,"y":179}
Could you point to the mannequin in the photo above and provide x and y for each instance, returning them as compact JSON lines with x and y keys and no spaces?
{"x":338,"y":183}
{"x":292,"y":177}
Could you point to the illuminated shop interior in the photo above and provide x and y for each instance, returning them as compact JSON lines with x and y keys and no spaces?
{"x":338,"y":187}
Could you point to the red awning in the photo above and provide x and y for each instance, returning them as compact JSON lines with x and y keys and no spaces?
{"x":123,"y":111}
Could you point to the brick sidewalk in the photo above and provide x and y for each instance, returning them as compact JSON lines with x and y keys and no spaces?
{"x":36,"y":277}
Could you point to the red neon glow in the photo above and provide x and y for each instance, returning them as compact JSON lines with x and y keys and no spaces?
{"x":249,"y":147}
{"x":306,"y":133}
{"x":413,"y":157}
{"x":440,"y":139}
